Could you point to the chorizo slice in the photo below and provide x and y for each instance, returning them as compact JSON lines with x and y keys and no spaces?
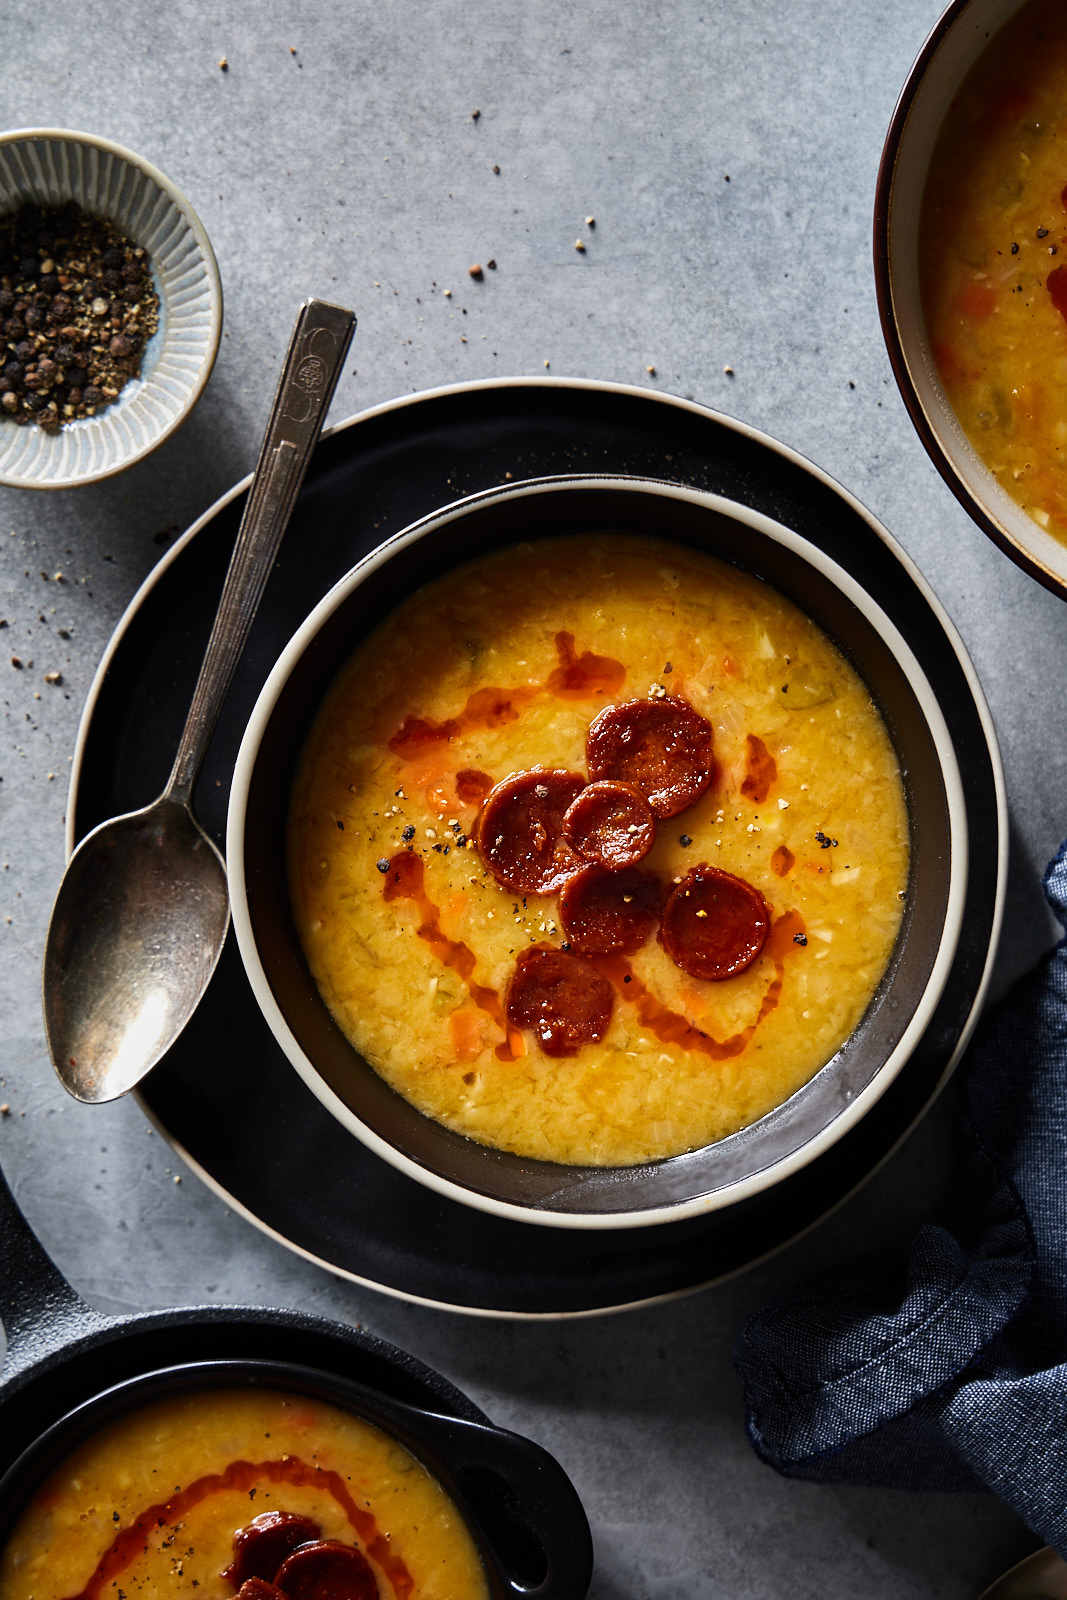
{"x":563,"y":999}
{"x":262,"y":1545}
{"x":519,"y":831}
{"x":714,"y":925}
{"x":327,"y":1570}
{"x":601,"y":911}
{"x":663,"y":747}
{"x":610,"y":824}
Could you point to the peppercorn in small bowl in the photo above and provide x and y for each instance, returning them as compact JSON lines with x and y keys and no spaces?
{"x":110,"y":308}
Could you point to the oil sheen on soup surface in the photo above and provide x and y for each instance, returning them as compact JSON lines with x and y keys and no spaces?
{"x":512,"y":1014}
{"x":202,"y":1494}
{"x":993,"y":259}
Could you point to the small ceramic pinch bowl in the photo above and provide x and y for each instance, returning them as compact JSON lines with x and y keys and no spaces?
{"x":759,"y":1155}
{"x":952,"y":49}
{"x":51,"y":167}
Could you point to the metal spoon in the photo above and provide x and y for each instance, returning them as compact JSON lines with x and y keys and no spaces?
{"x":1042,"y":1576}
{"x":142,"y":912}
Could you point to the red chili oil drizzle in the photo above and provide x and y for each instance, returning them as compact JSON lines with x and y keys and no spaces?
{"x":580,"y":677}
{"x":472,"y":785}
{"x":242,"y":1476}
{"x":405,"y":881}
{"x":761,"y":770}
{"x":671,"y":1027}
{"x":576,"y":678}
{"x":783,"y":861}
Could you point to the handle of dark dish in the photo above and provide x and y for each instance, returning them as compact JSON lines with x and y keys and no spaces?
{"x":471,"y":1455}
{"x":39,"y":1309}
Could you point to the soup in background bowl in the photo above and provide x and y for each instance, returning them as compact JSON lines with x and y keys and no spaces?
{"x":993,"y":259}
{"x":970,"y":232}
{"x":383,"y":815}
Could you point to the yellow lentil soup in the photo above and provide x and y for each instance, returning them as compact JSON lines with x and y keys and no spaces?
{"x":487,"y":684}
{"x":150,"y":1507}
{"x":993,"y":259}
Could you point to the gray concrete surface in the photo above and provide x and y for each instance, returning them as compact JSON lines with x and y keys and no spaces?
{"x":338,"y":155}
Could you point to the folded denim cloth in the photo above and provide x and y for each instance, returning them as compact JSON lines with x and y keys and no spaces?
{"x":950,"y":1373}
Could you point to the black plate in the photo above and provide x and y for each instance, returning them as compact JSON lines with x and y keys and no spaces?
{"x":227,"y":1098}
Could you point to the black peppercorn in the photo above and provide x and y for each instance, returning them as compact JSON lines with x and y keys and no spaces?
{"x":68,"y":282}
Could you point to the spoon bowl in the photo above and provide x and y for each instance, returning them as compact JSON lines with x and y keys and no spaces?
{"x":136,"y":932}
{"x":141,"y":915}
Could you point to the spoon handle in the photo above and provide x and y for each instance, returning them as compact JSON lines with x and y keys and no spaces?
{"x":312,"y":365}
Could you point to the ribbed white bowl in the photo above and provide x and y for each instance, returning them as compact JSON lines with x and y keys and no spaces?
{"x":49,"y":167}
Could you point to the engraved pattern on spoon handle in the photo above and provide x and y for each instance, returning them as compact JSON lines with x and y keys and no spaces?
{"x":309,"y":375}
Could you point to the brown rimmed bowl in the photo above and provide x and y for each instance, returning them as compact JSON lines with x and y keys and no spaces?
{"x":544,"y":1192}
{"x":952,"y":49}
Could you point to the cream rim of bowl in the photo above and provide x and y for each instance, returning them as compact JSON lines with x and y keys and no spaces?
{"x":730,"y":1193}
{"x":952,"y":49}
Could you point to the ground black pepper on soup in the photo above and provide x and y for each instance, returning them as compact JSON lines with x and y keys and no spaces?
{"x":598,"y":850}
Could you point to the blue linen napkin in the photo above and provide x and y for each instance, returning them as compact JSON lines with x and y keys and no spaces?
{"x":952,"y":1373}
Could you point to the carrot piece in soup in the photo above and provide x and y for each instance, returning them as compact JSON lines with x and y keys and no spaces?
{"x":977,"y":300}
{"x":1010,"y":105}
{"x":466,"y":1035}
{"x":947,"y":363}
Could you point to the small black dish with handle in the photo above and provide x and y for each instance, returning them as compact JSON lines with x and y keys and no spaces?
{"x":69,"y":1370}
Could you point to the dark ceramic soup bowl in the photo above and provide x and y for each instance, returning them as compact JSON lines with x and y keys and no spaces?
{"x":957,"y":40}
{"x":540,"y":1191}
{"x":69,"y":1372}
